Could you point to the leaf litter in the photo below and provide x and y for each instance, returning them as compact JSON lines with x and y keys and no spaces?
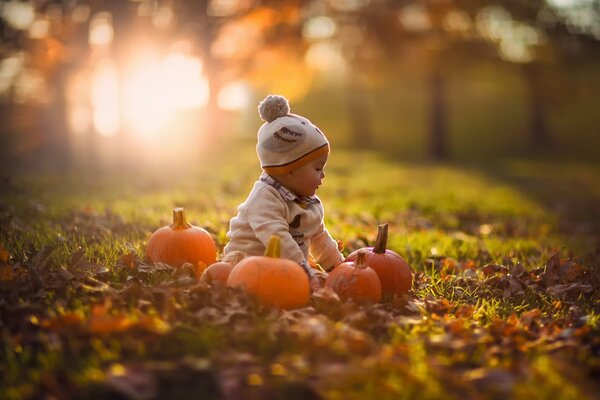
{"x":469,"y":328}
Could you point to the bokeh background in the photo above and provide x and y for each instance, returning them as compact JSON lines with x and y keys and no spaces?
{"x":132,"y":85}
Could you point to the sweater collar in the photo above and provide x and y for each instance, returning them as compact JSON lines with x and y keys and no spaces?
{"x":287,"y":194}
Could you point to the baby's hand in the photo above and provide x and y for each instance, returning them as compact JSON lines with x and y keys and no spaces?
{"x":315,"y":283}
{"x":318,"y":280}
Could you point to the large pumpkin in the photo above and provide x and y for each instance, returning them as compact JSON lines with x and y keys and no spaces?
{"x":181,"y":242}
{"x":394,"y":272}
{"x":355,"y":280}
{"x":274,"y":281}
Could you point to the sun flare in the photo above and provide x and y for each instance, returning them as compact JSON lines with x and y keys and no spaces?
{"x":146,"y":99}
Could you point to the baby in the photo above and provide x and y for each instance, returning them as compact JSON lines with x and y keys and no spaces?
{"x":292,"y":153}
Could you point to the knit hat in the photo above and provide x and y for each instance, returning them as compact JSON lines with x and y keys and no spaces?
{"x":286,"y":141}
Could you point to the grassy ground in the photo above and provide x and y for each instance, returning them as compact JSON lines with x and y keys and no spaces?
{"x":504,"y":301}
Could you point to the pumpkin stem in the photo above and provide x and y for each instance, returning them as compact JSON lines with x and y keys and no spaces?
{"x":381,"y":241}
{"x":274,"y":247}
{"x":360,"y":260}
{"x":179,"y":218}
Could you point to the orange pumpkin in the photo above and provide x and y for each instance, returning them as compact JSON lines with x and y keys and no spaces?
{"x":217,"y":273}
{"x":274,"y":281}
{"x":181,"y":242}
{"x":355,"y":280}
{"x":394,"y":272}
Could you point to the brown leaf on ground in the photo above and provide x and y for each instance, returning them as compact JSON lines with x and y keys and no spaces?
{"x":6,"y":272}
{"x":491,"y":269}
{"x":64,"y":321}
{"x":4,"y":255}
{"x":562,"y":291}
{"x":81,"y":267}
{"x":128,"y":260}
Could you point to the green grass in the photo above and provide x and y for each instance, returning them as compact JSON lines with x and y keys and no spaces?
{"x":456,"y":335}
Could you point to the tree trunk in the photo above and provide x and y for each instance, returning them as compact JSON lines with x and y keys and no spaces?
{"x":438,"y":119}
{"x":56,"y":143}
{"x":539,"y":135}
{"x":358,"y":112}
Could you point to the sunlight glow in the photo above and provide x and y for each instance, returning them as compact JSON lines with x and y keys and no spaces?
{"x":516,"y":51}
{"x":494,"y":22}
{"x":222,"y":8}
{"x":105,"y":95}
{"x":234,"y":96}
{"x":325,"y":56}
{"x":19,"y":14}
{"x":349,"y":5}
{"x":155,"y":92}
{"x":79,"y":115}
{"x":321,"y":27}
{"x":39,"y":29}
{"x":10,"y":67}
{"x":457,"y":21}
{"x":414,"y":18}
{"x":29,"y":86}
{"x":516,"y":40}
{"x":163,"y":18}
{"x":101,"y":30}
{"x":81,"y":13}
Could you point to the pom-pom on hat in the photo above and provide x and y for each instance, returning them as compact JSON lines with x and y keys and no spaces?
{"x":286,"y":141}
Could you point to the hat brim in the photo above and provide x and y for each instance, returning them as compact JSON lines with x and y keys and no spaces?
{"x":297,"y":163}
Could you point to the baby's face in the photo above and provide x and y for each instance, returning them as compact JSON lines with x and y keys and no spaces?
{"x":306,"y":180}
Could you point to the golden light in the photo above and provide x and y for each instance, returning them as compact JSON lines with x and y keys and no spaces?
{"x":234,"y":96}
{"x":457,"y":21}
{"x":104,"y":98}
{"x":81,"y":13}
{"x":39,"y":29}
{"x":321,"y":27}
{"x":325,"y":56}
{"x":494,"y":22}
{"x":516,"y":51}
{"x":101,"y":29}
{"x":163,"y":18}
{"x":281,"y":70}
{"x":19,"y":14}
{"x":184,"y":85}
{"x":79,"y":116}
{"x":29,"y":86}
{"x":144,"y":107}
{"x":156,"y":92}
{"x":516,"y":40}
{"x":349,"y":5}
{"x":10,"y":67}
{"x":222,"y":8}
{"x":414,"y":18}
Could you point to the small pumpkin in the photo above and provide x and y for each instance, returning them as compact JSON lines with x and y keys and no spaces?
{"x":355,"y":280}
{"x":217,"y":273}
{"x":181,"y":242}
{"x":394,"y":272}
{"x":275,"y":281}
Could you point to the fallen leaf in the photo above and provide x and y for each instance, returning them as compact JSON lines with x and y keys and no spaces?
{"x":6,"y":272}
{"x":4,"y":255}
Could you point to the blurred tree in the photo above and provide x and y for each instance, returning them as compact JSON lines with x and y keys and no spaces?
{"x":57,"y":38}
{"x":538,"y":37}
{"x":44,"y":43}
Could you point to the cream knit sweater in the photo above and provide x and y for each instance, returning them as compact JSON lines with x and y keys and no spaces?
{"x":300,"y":227}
